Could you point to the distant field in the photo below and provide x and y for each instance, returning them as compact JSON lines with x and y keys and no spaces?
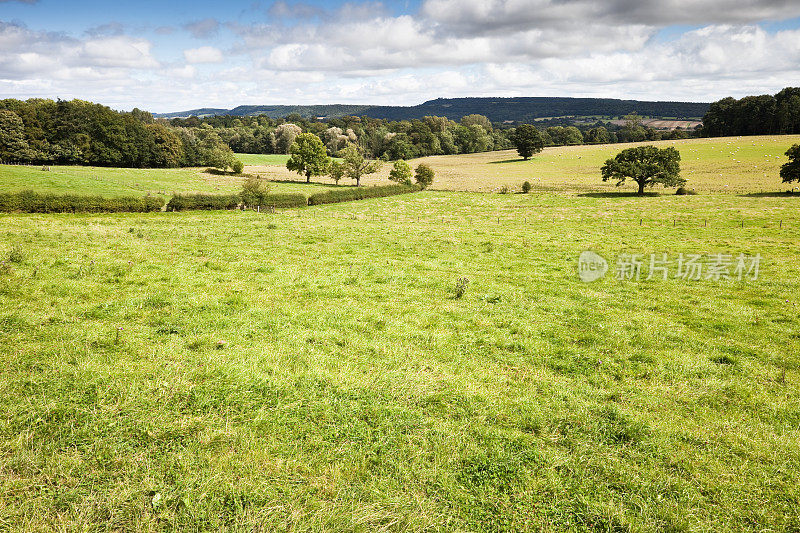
{"x":263,"y":159}
{"x":137,"y":182}
{"x":312,"y":370}
{"x":735,"y":165}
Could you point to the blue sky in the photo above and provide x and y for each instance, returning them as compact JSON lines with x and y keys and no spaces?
{"x":176,"y":55}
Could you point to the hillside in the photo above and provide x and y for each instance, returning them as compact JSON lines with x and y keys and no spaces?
{"x":497,"y":109}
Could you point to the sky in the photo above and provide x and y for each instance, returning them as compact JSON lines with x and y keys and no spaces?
{"x":174,"y":55}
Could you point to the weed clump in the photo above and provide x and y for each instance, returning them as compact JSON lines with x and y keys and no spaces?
{"x":16,"y":255}
{"x":460,"y":288}
{"x":526,"y":187}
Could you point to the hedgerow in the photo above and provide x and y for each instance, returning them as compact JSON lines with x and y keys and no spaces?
{"x":348,"y":194}
{"x":283,"y":200}
{"x":31,"y":202}
{"x":184,"y":202}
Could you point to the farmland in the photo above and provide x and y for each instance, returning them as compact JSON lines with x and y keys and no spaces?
{"x":314,"y":369}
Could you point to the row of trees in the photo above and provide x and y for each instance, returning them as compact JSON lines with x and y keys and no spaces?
{"x":82,"y":133}
{"x":408,"y":139}
{"x":755,"y":115}
{"x":309,"y":157}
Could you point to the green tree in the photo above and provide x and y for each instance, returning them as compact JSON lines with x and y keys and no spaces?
{"x":356,"y":165}
{"x":424,"y":176}
{"x":528,"y":140}
{"x":308,"y":156}
{"x":597,"y":135}
{"x":13,"y":146}
{"x":336,"y":171}
{"x":646,"y":165}
{"x":790,"y":171}
{"x":401,"y":172}
{"x":168,"y":147}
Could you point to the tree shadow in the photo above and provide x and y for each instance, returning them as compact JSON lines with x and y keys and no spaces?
{"x":520,"y":160}
{"x":619,"y":194}
{"x":773,"y":194}
{"x":298,"y":182}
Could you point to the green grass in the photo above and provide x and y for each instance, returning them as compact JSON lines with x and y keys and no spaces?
{"x":311,"y":370}
{"x":278,"y":160}
{"x":110,"y":182}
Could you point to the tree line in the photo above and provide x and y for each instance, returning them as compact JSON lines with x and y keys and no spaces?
{"x":77,"y":132}
{"x":754,"y":115}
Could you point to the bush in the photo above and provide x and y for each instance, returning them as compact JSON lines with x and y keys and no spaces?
{"x":358,"y":193}
{"x":237,"y":167}
{"x":184,"y":202}
{"x":526,"y":187}
{"x":424,"y":176}
{"x":683,"y":190}
{"x":254,"y":190}
{"x":31,"y":202}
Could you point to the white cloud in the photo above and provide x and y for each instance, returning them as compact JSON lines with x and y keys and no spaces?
{"x":204,"y":54}
{"x":362,"y":53}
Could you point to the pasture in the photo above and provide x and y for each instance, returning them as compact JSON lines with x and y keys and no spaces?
{"x":739,"y":165}
{"x":314,"y":370}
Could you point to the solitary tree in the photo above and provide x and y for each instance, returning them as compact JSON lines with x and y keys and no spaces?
{"x":308,"y":156}
{"x":356,"y":165}
{"x":424,"y":176}
{"x":791,"y":171}
{"x":336,"y":171}
{"x":528,"y":140}
{"x":401,"y":172}
{"x":646,"y":165}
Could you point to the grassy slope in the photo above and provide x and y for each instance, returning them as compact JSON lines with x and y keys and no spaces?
{"x":738,"y":165}
{"x":354,"y":393}
{"x":139,"y":182}
{"x":744,"y":164}
{"x":726,"y":164}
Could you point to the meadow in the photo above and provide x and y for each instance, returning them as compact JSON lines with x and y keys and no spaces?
{"x":736,"y":165}
{"x":424,"y":362}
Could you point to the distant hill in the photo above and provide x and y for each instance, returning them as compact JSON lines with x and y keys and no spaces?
{"x":497,"y":109}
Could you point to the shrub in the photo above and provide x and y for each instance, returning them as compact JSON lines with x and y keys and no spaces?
{"x":237,"y":167}
{"x":358,"y":193}
{"x":424,"y":176}
{"x":683,"y":190}
{"x":31,"y":202}
{"x":526,"y":187}
{"x":183,"y":202}
{"x":254,"y":190}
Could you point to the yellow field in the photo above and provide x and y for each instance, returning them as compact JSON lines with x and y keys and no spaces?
{"x":724,"y":164}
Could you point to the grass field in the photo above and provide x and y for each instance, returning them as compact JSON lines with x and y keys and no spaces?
{"x":137,"y":182}
{"x":735,"y":165}
{"x":313,"y":370}
{"x":729,"y":165}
